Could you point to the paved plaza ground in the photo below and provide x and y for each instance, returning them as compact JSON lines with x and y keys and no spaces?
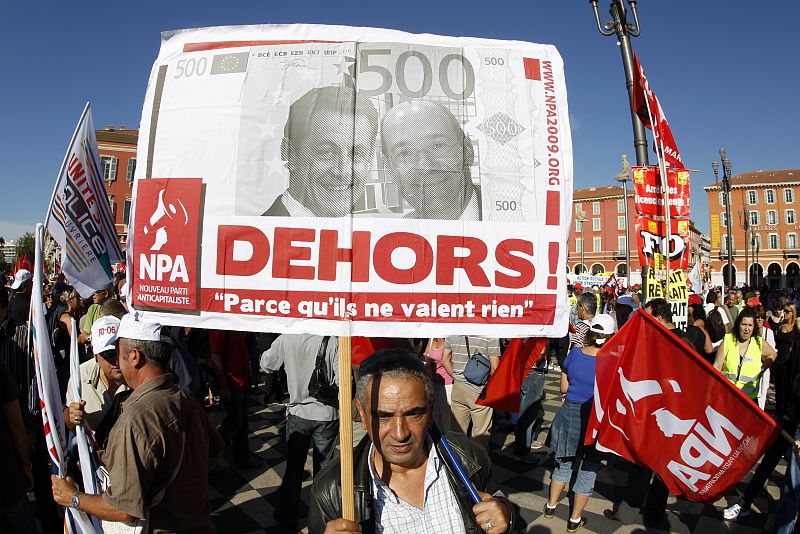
{"x":243,"y":502}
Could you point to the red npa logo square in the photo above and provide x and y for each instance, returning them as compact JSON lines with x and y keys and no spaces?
{"x":166,"y":243}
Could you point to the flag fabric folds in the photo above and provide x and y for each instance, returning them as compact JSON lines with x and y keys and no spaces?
{"x":502,"y":390}
{"x":79,"y":216}
{"x":660,"y":405}
{"x":50,"y":403}
{"x":648,"y":108}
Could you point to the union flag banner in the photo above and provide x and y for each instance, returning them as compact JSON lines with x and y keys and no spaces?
{"x":79,"y":216}
{"x":648,"y":108}
{"x":648,"y":192}
{"x":660,"y":405}
{"x":651,"y":240}
{"x":352,"y":181}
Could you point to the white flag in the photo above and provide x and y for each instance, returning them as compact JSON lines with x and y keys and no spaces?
{"x":696,"y":279}
{"x":79,"y":216}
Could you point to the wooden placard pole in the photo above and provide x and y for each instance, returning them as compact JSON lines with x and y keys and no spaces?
{"x":346,"y":427}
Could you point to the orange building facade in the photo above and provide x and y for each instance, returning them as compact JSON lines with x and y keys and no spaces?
{"x":598,"y":244}
{"x":117,"y":149}
{"x":764,"y":208}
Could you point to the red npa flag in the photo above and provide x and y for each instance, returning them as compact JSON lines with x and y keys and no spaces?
{"x":660,"y":405}
{"x":502,"y":390}
{"x":644,"y":98}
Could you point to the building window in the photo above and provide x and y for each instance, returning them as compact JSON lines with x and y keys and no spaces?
{"x":769,"y":196}
{"x":596,"y":224}
{"x":722,"y":198}
{"x":579,"y":244}
{"x":723,"y":219}
{"x":620,"y":206}
{"x":755,"y":242}
{"x":111,"y":203}
{"x":752,"y":196}
{"x":131,"y":169}
{"x":595,"y":208}
{"x":579,"y":226}
{"x":621,"y":245}
{"x":772,"y":217}
{"x":790,"y":216}
{"x":621,"y":222}
{"x":109,"y":164}
{"x":791,"y":241}
{"x":597,"y":244}
{"x":788,"y":195}
{"x":772,"y":241}
{"x":725,"y":243}
{"x":127,"y":213}
{"x":754,"y":219}
{"x":578,"y":209}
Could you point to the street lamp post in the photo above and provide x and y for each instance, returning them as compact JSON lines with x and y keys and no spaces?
{"x":624,"y":180}
{"x":726,"y":185}
{"x":624,"y":30}
{"x":745,"y":222}
{"x":581,"y":218}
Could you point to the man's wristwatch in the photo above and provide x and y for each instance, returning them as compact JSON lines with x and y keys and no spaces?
{"x":76,"y":502}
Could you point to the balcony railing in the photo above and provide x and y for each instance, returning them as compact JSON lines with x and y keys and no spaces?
{"x":619,"y":254}
{"x":791,"y":253}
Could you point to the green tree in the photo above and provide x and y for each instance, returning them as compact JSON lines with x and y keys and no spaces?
{"x":26,"y":245}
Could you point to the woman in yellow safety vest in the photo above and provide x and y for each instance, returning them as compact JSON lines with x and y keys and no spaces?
{"x":743,"y":354}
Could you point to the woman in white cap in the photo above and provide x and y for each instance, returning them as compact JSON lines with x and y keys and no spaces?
{"x":569,"y":425}
{"x":101,"y":379}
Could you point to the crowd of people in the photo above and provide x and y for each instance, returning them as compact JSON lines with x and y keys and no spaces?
{"x":146,"y":392}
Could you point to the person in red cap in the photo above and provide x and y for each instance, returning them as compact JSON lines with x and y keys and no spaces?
{"x":694,"y":298}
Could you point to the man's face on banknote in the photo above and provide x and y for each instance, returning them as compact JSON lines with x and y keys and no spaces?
{"x":426,"y":151}
{"x":329,"y":165}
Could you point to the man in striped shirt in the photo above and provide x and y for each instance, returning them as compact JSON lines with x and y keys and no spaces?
{"x":587,"y":308}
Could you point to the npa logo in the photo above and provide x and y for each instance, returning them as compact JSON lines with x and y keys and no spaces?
{"x":166,"y":243}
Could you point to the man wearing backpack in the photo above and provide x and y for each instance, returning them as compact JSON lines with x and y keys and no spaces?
{"x":717,"y":323}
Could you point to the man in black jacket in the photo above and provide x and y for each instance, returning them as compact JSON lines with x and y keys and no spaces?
{"x":403,"y":481}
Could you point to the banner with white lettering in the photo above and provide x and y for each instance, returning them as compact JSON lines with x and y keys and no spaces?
{"x":651,"y":240}
{"x":658,"y":404}
{"x":359,"y":181}
{"x":648,"y":192}
{"x":79,"y":217}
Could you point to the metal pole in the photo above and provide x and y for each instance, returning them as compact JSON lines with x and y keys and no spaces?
{"x":627,"y":235}
{"x":621,"y":29}
{"x":624,"y":31}
{"x":746,"y":226}
{"x":727,"y":186}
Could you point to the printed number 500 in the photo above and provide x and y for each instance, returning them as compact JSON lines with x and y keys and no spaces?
{"x":505,"y":205}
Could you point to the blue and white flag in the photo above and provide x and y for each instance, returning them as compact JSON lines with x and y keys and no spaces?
{"x":79,"y":217}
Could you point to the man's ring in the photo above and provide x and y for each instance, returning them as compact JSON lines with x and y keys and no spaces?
{"x":489,"y":525}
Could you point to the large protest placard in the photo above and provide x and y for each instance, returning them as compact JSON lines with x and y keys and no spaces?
{"x":297,"y":175}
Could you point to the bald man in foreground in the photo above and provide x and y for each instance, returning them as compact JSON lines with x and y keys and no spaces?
{"x":428,"y":156}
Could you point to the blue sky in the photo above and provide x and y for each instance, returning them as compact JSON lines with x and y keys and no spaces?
{"x":725,"y":72}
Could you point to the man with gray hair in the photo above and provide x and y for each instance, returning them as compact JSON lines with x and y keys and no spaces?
{"x":403,"y":480}
{"x":586,"y":308}
{"x":328,"y":145}
{"x":159,"y":451}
